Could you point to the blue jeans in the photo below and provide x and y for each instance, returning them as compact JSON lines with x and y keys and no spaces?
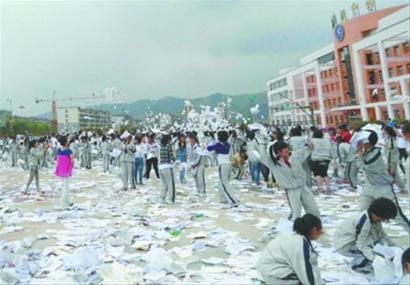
{"x":182,"y":175}
{"x":139,"y":167}
{"x":256,"y":171}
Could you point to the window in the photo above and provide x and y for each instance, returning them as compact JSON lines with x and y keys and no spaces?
{"x":390,"y":72}
{"x":408,"y":68}
{"x":406,"y":47}
{"x":399,"y":70}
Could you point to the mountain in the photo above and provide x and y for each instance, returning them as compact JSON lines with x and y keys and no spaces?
{"x":172,"y":105}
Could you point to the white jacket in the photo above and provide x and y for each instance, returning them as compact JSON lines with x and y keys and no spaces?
{"x":290,"y":257}
{"x":322,"y":149}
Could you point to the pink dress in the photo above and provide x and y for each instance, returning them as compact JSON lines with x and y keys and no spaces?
{"x":64,"y":167}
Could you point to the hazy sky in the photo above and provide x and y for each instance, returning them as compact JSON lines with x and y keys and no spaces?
{"x":152,"y":49}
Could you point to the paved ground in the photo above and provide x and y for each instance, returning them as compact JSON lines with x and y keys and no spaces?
{"x":112,"y":236}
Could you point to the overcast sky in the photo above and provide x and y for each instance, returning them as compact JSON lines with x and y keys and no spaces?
{"x":152,"y":49}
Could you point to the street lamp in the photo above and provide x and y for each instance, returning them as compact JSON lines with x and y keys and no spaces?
{"x":302,"y":108}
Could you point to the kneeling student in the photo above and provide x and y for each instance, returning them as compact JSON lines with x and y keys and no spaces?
{"x":405,"y":262}
{"x":356,"y":236}
{"x":291,"y":259}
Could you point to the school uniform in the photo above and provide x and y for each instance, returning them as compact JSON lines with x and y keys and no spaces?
{"x":85,"y":149}
{"x":392,"y":158}
{"x":117,"y":144}
{"x":296,"y":143}
{"x":321,"y":156}
{"x":127,"y":160}
{"x":291,"y":178}
{"x":198,"y":164}
{"x":23,"y":155}
{"x":224,"y":170}
{"x":356,"y":236}
{"x":378,"y":184}
{"x":34,"y":161}
{"x":290,"y":260}
{"x":343,"y":154}
{"x":105,"y":152}
{"x":166,"y":173}
{"x":14,"y":153}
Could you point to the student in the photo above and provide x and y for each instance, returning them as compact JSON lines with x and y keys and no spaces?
{"x":296,"y":141}
{"x":197,"y":163}
{"x":346,"y":161}
{"x":152,"y":156}
{"x":166,"y":169}
{"x":290,"y":259}
{"x":222,"y":149}
{"x":181,"y":155}
{"x":14,"y":149}
{"x":140,"y":151}
{"x":34,"y":161}
{"x":320,"y":159}
{"x":85,"y":153}
{"x":253,"y":156}
{"x":127,"y":161}
{"x":357,"y":235}
{"x":405,"y":261}
{"x":406,"y":136}
{"x":392,"y":156}
{"x":290,"y":175}
{"x":64,"y":170}
{"x":23,"y":154}
{"x":105,"y":151}
{"x":344,"y":133}
{"x":378,"y":182}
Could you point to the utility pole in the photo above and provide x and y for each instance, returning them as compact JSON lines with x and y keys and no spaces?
{"x":311,"y":113}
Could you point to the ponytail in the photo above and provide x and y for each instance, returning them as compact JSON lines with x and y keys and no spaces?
{"x":305,"y":224}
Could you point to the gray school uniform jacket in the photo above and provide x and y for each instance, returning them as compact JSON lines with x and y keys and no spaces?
{"x":105,"y":148}
{"x":359,"y":232}
{"x":297,"y":142}
{"x":373,"y":165}
{"x":292,"y":177}
{"x":195,"y":159}
{"x":34,"y":158}
{"x":127,"y":154}
{"x":344,"y":152}
{"x":391,"y":152}
{"x":251,"y":148}
{"x":322,"y":149}
{"x":290,"y":257}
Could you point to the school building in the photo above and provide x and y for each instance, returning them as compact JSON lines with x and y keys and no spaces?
{"x":364,"y":74}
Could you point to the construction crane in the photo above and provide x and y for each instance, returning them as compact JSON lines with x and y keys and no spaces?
{"x":54,"y":105}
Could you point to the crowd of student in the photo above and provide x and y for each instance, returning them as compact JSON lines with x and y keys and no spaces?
{"x":285,"y":158}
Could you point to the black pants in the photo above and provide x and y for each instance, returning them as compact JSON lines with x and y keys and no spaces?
{"x":402,"y":157}
{"x":152,"y":162}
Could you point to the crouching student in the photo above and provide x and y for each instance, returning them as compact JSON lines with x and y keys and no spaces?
{"x":166,"y":171}
{"x":291,"y":259}
{"x":405,"y":262}
{"x":290,"y":175}
{"x":357,"y":236}
{"x":223,"y":150}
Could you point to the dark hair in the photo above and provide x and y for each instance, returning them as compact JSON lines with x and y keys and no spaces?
{"x":390,"y":131}
{"x":373,"y":138}
{"x":296,"y":132}
{"x":103,"y":138}
{"x":305,"y":224}
{"x":63,"y":140}
{"x":165,"y":139}
{"x":250,"y":134}
{"x":31,"y":144}
{"x":181,"y":146}
{"x":317,"y":134}
{"x":340,"y":139}
{"x":275,"y":148}
{"x":383,"y":208}
{"x":138,"y":139}
{"x":405,"y":258}
{"x":195,"y":138}
{"x":223,"y":136}
{"x":406,"y":128}
{"x":279,"y":136}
